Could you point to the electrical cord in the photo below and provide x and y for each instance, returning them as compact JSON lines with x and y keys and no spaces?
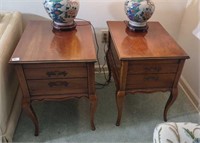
{"x":104,"y":72}
{"x":101,"y":69}
{"x":95,"y":37}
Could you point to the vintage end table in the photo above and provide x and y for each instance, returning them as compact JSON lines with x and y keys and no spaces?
{"x":55,"y":65}
{"x":143,"y":62}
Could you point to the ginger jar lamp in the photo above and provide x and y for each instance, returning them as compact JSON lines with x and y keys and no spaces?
{"x":138,"y":12}
{"x":62,"y":12}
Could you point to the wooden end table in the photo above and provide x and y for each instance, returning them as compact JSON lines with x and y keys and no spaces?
{"x":55,"y":65}
{"x":143,"y":62}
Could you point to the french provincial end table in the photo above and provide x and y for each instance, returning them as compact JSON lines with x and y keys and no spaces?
{"x":143,"y":62}
{"x":55,"y":65}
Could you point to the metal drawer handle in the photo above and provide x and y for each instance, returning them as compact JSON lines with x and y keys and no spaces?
{"x":151,"y":78}
{"x":152,"y":69}
{"x":56,"y":73}
{"x":58,"y":84}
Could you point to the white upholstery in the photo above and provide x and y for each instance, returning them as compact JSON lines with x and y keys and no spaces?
{"x":171,"y":132}
{"x":10,"y":95}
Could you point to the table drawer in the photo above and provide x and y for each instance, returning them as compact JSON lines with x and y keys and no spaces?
{"x":151,"y":66}
{"x":150,"y":81}
{"x":57,"y":86}
{"x":46,"y":73}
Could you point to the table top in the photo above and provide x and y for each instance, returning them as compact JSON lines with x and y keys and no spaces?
{"x":156,"y":43}
{"x":41,"y":44}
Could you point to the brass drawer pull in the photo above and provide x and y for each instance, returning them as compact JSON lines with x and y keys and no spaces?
{"x":151,"y":78}
{"x":58,"y":84}
{"x":56,"y":73}
{"x":152,"y":69}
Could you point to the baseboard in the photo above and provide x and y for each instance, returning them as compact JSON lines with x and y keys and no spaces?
{"x":190,"y":93}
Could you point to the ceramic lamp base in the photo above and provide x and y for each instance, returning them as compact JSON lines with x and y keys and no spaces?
{"x":138,"y":27}
{"x":64,"y":26}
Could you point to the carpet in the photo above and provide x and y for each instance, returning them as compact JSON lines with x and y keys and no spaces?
{"x":69,"y":121}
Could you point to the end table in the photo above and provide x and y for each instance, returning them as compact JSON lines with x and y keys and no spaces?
{"x":55,"y":65}
{"x":143,"y":62}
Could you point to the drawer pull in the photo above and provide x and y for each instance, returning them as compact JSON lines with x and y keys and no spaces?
{"x":151,"y":78}
{"x":56,"y":73}
{"x":58,"y":84}
{"x":152,"y":69}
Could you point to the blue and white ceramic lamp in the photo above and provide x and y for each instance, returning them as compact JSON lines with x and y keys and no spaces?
{"x":138,"y":12}
{"x":62,"y":12}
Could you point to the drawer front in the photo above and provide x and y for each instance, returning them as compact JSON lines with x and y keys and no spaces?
{"x":163,"y":66}
{"x":150,"y":81}
{"x":46,"y":73}
{"x":57,"y":86}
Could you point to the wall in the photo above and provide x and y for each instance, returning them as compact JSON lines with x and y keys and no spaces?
{"x":191,"y":44}
{"x":170,"y":13}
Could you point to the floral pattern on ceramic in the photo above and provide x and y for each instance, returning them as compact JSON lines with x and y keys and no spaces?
{"x":139,"y":11}
{"x":62,"y":11}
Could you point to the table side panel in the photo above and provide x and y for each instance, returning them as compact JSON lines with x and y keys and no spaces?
{"x":113,"y":68}
{"x":91,"y":79}
{"x":115,"y":56}
{"x":114,"y":62}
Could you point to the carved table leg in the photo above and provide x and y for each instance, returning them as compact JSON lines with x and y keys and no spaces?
{"x":93,"y":105}
{"x":170,"y":101}
{"x":120,"y":100}
{"x":27,"y":107}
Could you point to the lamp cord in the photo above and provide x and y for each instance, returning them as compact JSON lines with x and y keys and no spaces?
{"x":101,"y":69}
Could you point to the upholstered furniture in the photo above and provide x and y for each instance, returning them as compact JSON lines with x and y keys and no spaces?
{"x":182,"y":132}
{"x":10,"y":95}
